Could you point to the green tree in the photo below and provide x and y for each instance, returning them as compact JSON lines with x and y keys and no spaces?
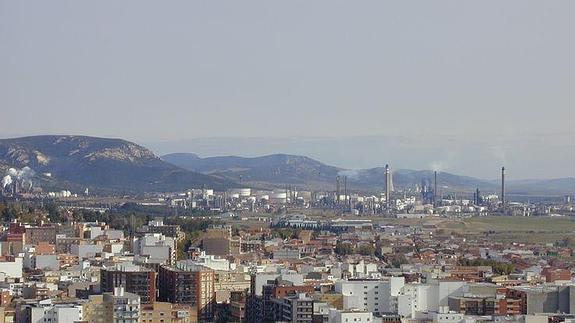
{"x":8,"y":214}
{"x":343,"y":249}
{"x":223,"y":314}
{"x":500,"y":268}
{"x":366,"y":250}
{"x":397,"y":260}
{"x":54,"y":213}
{"x":183,"y":247}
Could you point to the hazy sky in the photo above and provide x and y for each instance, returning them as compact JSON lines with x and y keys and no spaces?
{"x":175,"y":71}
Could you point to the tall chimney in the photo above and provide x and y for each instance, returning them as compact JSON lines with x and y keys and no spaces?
{"x":387,"y":186}
{"x":435,"y":189}
{"x":337,"y":189}
{"x":345,"y":190}
{"x":477,"y":196}
{"x":503,"y":187}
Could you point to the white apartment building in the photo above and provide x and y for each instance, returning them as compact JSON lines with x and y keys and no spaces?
{"x":360,"y":269}
{"x":346,"y":316}
{"x":414,"y":298}
{"x":47,"y":312}
{"x":155,"y":248}
{"x":374,"y":296}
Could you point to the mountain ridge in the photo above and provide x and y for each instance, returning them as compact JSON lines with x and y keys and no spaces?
{"x":106,"y":164}
{"x":320,"y":175}
{"x":280,"y":169}
{"x":114,"y":165}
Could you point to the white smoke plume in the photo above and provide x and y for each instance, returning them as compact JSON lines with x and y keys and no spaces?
{"x":350,"y":173}
{"x":13,"y":172}
{"x":23,"y":176}
{"x":437,"y":166}
{"x":500,"y":154}
{"x":6,"y":180}
{"x":26,"y":174}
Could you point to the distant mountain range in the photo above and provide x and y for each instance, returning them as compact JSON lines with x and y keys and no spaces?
{"x":101,"y":164}
{"x":279,"y":169}
{"x":118,"y":166}
{"x":272,"y":170}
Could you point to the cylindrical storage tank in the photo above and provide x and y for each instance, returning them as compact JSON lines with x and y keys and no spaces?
{"x":278,"y":195}
{"x":245,"y":192}
{"x":306,"y":195}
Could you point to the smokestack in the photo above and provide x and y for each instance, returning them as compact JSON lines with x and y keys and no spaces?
{"x":477,"y":197}
{"x":337,"y":189}
{"x":435,"y":188}
{"x":345,"y":189}
{"x":387,"y":186}
{"x":503,"y":187}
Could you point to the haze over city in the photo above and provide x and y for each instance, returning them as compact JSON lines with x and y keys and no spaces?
{"x":325,"y":161}
{"x":458,"y":86}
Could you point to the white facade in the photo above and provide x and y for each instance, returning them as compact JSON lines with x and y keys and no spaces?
{"x":96,"y":232}
{"x":361,"y":269}
{"x":339,"y":316}
{"x":374,"y":296}
{"x":86,"y":250}
{"x":11,"y":269}
{"x":450,"y":288}
{"x":155,"y":248}
{"x":114,"y":234}
{"x":212,"y":262}
{"x":61,"y":313}
{"x":416,"y":298}
{"x":45,"y":262}
{"x":263,"y":278}
{"x":116,"y":248}
{"x":447,"y":317}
